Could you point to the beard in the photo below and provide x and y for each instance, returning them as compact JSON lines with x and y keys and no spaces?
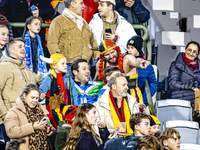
{"x":121,"y":94}
{"x":113,"y":63}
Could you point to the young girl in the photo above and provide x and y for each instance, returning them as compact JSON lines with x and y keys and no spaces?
{"x":4,"y":35}
{"x":82,"y":136}
{"x":59,"y":90}
{"x":34,"y":46}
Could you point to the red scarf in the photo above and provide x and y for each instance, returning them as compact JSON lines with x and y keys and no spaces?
{"x":190,"y":63}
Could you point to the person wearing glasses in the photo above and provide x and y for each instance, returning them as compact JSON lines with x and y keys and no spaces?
{"x":184,"y":75}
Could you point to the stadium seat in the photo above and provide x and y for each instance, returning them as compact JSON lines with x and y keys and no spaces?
{"x":189,"y":146}
{"x":189,"y":130}
{"x":173,"y":109}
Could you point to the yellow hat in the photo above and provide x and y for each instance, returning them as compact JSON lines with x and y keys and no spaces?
{"x":56,"y":57}
{"x":154,"y":120}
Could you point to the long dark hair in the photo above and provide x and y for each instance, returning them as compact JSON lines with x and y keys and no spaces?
{"x":80,"y":122}
{"x":29,"y":21}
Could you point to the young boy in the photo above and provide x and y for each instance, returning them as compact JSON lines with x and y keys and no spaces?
{"x":59,"y":90}
{"x":148,"y":142}
{"x":155,"y":125}
{"x":140,"y":124}
{"x":169,"y":138}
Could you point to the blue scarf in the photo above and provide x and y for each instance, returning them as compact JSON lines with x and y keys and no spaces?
{"x":42,"y":68}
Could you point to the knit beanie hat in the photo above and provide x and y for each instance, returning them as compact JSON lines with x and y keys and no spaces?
{"x":56,"y":57}
{"x":154,"y":120}
{"x":136,"y":41}
{"x":4,"y":21}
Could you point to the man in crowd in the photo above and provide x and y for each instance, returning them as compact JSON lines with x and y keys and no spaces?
{"x":109,"y":25}
{"x":140,"y":124}
{"x":116,"y":105}
{"x":111,"y":56}
{"x":87,"y":90}
{"x":70,"y":34}
{"x":14,"y":76}
{"x":133,"y":11}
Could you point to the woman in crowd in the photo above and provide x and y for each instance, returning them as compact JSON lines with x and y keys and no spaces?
{"x":34,"y":46}
{"x":4,"y":35}
{"x":23,"y":120}
{"x":82,"y":135}
{"x":184,"y":74}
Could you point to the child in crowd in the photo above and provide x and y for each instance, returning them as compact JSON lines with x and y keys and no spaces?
{"x":59,"y":90}
{"x":140,"y":124}
{"x":148,"y":142}
{"x":134,"y":46}
{"x":4,"y":35}
{"x":155,"y":125}
{"x":33,"y":46}
{"x":169,"y":138}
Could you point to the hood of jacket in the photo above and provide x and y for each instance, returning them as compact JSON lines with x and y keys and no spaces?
{"x":19,"y":63}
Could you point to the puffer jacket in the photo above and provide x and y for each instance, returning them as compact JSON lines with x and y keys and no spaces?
{"x":14,"y":76}
{"x":132,"y":142}
{"x":104,"y":111}
{"x":65,"y":37}
{"x":181,"y":80}
{"x":135,"y":15}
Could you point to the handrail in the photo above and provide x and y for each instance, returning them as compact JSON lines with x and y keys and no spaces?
{"x":22,"y":24}
{"x":141,"y":27}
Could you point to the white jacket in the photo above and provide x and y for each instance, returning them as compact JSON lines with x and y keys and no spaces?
{"x":103,"y":108}
{"x":124,"y":30}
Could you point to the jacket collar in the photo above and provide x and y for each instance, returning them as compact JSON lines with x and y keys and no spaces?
{"x":20,"y":105}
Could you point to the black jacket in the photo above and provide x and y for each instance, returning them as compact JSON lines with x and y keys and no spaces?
{"x":19,"y":11}
{"x":181,"y":80}
{"x":132,"y":142}
{"x":87,"y":141}
{"x":135,"y":15}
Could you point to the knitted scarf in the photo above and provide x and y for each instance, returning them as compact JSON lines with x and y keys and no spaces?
{"x":125,"y":112}
{"x":190,"y":63}
{"x":39,"y":139}
{"x":42,"y":69}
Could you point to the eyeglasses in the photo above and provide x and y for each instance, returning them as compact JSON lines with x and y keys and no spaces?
{"x":193,"y":52}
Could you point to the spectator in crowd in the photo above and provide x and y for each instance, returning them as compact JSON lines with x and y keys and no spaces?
{"x":24,"y":120}
{"x":108,"y":19}
{"x":17,"y":144}
{"x":82,"y":136}
{"x":133,"y":11}
{"x":116,"y":105}
{"x":33,"y":46}
{"x":4,"y":35}
{"x":70,"y":34}
{"x":59,"y":87}
{"x":108,"y":72}
{"x":134,"y":46}
{"x":155,"y":125}
{"x":19,"y":11}
{"x":87,"y":90}
{"x":140,"y":124}
{"x":148,"y":142}
{"x":169,"y":139}
{"x":184,"y":75}
{"x":14,"y":76}
{"x":4,"y":21}
{"x":111,"y":56}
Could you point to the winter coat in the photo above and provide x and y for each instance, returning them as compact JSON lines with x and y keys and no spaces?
{"x":16,"y":122}
{"x":124,"y":30}
{"x":132,"y":142}
{"x":181,"y":79}
{"x":87,"y":141}
{"x":104,"y":111}
{"x":148,"y":74}
{"x":65,"y":37}
{"x":135,"y":15}
{"x":19,"y":11}
{"x":14,"y":76}
{"x":4,"y":51}
{"x":46,"y":86}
